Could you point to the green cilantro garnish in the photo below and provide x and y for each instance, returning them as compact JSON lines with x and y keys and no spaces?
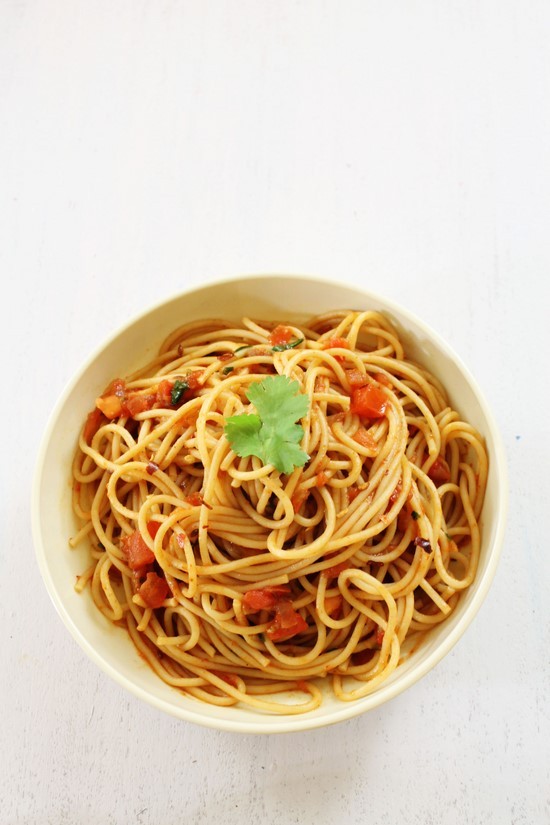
{"x":272,"y":433}
{"x":227,"y":370}
{"x":240,"y":349}
{"x":415,"y":515}
{"x":179,"y":388}
{"x":290,"y":345}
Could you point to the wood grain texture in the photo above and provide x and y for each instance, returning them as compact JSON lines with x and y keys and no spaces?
{"x":148,"y":146}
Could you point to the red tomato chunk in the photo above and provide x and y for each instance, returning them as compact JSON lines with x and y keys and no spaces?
{"x":440,"y":471}
{"x":154,"y":590}
{"x":336,"y":343}
{"x":194,"y":379}
{"x":153,"y":528}
{"x":136,"y":403}
{"x":92,"y":425}
{"x":357,"y":378}
{"x":194,"y":499}
{"x":321,"y":479}
{"x":264,"y":599}
{"x":136,"y":551}
{"x":332,"y":343}
{"x":164,"y":393}
{"x":286,"y":624}
{"x":369,"y":402}
{"x":280,"y":335}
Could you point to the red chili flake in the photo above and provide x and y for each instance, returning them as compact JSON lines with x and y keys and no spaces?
{"x":423,"y":543}
{"x":152,"y":468}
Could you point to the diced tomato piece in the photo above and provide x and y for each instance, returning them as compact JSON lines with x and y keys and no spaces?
{"x":298,"y":498}
{"x":281,"y":634}
{"x":379,"y":638}
{"x":116,"y":387}
{"x":153,"y":528}
{"x":333,"y":605}
{"x":194,"y":499}
{"x":255,"y":600}
{"x":403,"y":519}
{"x":226,"y":356}
{"x":363,"y":657}
{"x":137,"y":403}
{"x":281,"y":335}
{"x":334,"y":571}
{"x":286,"y":624}
{"x":357,"y":378}
{"x":137,"y":552}
{"x":93,"y":423}
{"x":321,"y":479}
{"x":365,"y":439}
{"x":164,"y":393}
{"x":353,"y":492}
{"x":332,"y":343}
{"x":194,"y":379}
{"x":264,"y":599}
{"x":154,"y":590}
{"x":440,"y":471}
{"x":285,"y":614}
{"x":382,"y":379}
{"x":369,"y":401}
{"x":110,"y":406}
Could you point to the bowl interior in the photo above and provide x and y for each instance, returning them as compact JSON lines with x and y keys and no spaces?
{"x":53,"y":521}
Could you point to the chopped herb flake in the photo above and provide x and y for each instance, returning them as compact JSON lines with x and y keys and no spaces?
{"x":290,"y":345}
{"x":178,"y":390}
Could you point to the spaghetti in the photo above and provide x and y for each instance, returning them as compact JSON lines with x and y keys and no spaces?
{"x":239,"y":583}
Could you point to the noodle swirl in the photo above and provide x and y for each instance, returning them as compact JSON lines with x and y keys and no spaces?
{"x":365,"y":547}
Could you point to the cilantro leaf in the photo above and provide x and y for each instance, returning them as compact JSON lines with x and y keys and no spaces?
{"x":272,"y":434}
{"x":243,"y":433}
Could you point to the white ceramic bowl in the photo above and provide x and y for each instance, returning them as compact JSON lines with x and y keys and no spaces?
{"x":280,"y":297}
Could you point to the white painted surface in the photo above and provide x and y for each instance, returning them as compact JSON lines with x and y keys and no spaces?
{"x":152,"y":145}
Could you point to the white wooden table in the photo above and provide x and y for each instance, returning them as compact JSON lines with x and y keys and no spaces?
{"x":149,"y":146}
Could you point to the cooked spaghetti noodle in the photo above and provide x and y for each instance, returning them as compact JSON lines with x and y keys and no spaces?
{"x":241,"y":584}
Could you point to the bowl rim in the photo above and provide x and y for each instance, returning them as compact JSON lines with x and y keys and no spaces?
{"x":299,"y":722}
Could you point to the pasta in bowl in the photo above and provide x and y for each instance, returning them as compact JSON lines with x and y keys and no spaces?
{"x":281,"y":512}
